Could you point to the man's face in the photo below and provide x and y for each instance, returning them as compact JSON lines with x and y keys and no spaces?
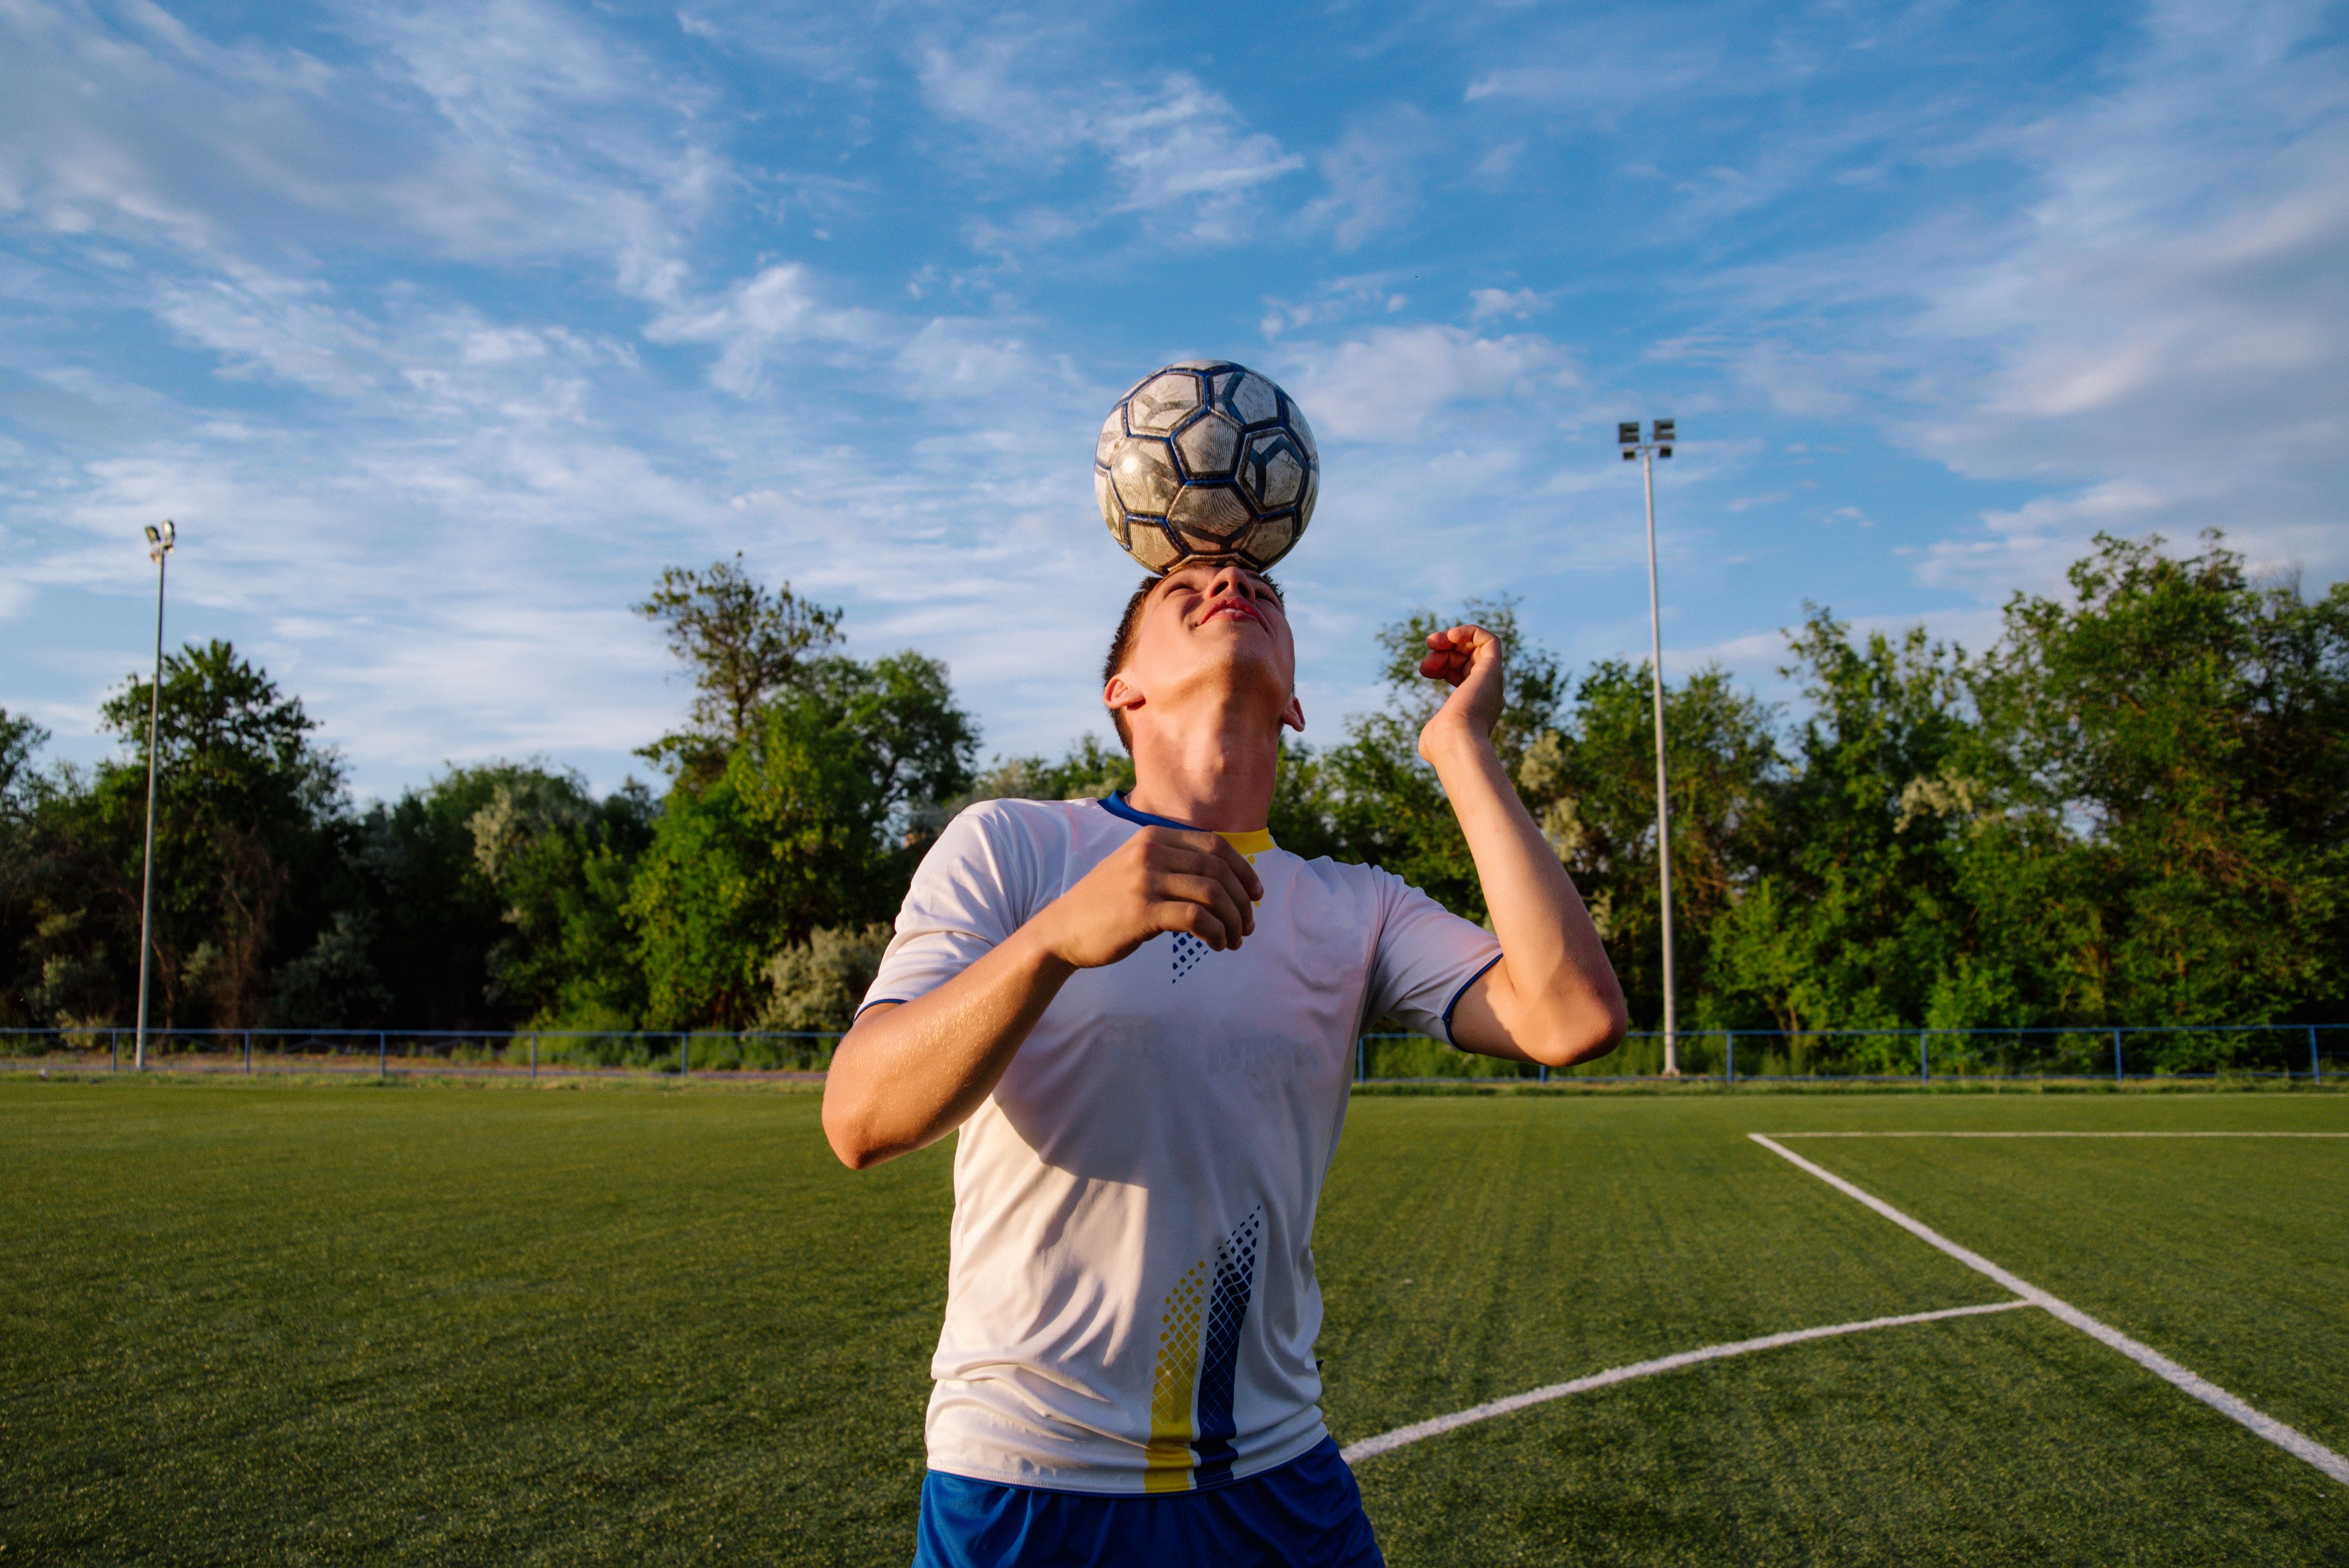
{"x":1221,"y":628}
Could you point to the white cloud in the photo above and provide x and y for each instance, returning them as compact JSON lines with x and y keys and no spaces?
{"x":125,"y":121}
{"x":1372,"y":176}
{"x":1491,"y":304}
{"x":2161,"y":331}
{"x":775,"y":307}
{"x":1175,"y":152}
{"x":1385,"y":383}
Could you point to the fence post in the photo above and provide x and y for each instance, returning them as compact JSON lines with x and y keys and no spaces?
{"x":1362,"y":1059}
{"x":1924,"y":1057}
{"x":113,"y":1051}
{"x":382,"y":1055}
{"x":533,"y":1058}
{"x":1731,"y":1036}
{"x":2117,"y":1074}
{"x":2315,"y":1062}
{"x":684,"y":1057}
{"x":1544,"y":1075}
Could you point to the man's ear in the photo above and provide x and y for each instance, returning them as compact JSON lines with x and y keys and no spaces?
{"x":1121,"y":696}
{"x":1293,"y":715}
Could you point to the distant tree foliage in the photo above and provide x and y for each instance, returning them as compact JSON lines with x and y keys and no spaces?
{"x":2133,"y":808}
{"x":742,"y":645}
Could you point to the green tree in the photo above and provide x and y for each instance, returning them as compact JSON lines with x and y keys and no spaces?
{"x":562,"y":862}
{"x":249,"y":834}
{"x":1591,"y":782}
{"x":816,"y":819}
{"x":439,"y":914}
{"x":1852,"y":918}
{"x":2169,"y":752}
{"x":25,"y":881}
{"x":742,"y":644}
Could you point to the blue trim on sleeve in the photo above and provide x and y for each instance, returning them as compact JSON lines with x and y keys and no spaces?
{"x":1448,"y":1007}
{"x":900,"y":1001}
{"x":1114,"y":804}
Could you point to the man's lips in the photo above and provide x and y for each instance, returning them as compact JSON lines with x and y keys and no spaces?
{"x":1232,"y":607}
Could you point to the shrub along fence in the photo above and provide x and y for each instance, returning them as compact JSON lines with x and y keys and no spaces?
{"x":2311,"y":1051}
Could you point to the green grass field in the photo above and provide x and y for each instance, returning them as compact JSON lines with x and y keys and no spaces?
{"x":272,"y":1323}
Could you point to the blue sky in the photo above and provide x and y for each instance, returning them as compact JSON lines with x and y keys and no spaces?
{"x":439,"y":330}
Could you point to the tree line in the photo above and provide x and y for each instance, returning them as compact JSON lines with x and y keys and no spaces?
{"x":2132,"y":809}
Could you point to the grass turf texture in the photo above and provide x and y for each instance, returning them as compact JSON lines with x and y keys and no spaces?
{"x":281,"y":1324}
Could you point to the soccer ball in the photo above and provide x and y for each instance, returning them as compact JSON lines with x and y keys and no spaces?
{"x":1205,"y":460}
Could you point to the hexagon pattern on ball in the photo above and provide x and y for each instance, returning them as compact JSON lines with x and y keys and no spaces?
{"x":1246,"y":396}
{"x":1209,"y":515}
{"x":1159,"y":403}
{"x":1273,"y":470}
{"x":1205,"y":460}
{"x":1145,"y":477}
{"x":1208,"y":445}
{"x":1153,"y":548}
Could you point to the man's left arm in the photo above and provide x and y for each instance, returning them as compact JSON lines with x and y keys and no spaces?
{"x":1553,"y":996}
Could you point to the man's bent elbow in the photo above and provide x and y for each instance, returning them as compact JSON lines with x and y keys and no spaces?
{"x":1585,"y":1034}
{"x":852,"y":1141}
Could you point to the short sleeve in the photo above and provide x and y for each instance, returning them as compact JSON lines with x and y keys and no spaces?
{"x":975,"y":888}
{"x":1427,"y":957}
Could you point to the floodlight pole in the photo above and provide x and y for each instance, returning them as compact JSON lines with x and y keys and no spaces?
{"x":1659,"y":444}
{"x":159,"y":549}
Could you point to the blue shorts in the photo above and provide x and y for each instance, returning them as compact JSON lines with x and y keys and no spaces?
{"x":1306,"y":1513}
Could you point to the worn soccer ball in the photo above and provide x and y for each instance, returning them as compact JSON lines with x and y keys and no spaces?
{"x":1205,"y":460}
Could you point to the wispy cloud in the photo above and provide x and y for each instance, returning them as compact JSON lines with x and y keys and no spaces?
{"x":1385,"y":383}
{"x":757,"y":317}
{"x":1175,"y":152}
{"x":2162,"y":330}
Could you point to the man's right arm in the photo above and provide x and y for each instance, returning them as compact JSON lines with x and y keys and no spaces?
{"x":909,"y":1073}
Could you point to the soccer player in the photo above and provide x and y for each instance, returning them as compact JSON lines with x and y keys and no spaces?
{"x":1141,"y":1013}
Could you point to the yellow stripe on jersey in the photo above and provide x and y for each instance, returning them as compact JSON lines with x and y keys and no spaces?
{"x":1166,"y":1464}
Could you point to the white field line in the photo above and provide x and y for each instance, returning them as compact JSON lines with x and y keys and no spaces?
{"x":2144,"y":1356}
{"x":1387,"y":1442}
{"x":2058,"y":1135}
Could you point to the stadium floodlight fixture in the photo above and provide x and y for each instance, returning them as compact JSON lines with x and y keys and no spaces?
{"x":1657,"y":445}
{"x":160,"y":538}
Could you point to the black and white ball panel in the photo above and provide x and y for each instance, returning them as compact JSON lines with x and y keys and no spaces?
{"x":1205,"y":460}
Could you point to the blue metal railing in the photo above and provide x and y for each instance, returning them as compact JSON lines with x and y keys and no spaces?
{"x":387,"y":1053}
{"x":2297,"y":1051}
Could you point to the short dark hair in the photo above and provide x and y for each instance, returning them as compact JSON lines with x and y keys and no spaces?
{"x":1120,"y":646}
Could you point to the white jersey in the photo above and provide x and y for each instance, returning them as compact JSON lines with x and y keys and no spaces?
{"x":1131,"y":1303}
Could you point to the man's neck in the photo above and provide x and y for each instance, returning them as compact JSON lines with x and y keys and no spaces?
{"x":1217,"y":775}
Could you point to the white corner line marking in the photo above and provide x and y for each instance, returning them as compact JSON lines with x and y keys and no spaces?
{"x":1386,"y":1442}
{"x":2144,"y":1356}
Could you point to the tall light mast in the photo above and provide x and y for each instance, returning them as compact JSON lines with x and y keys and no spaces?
{"x":1659,"y":444}
{"x":160,"y":539}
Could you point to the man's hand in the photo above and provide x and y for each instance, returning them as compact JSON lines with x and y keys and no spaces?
{"x":909,"y":1074}
{"x":1467,"y":658}
{"x":1553,"y":998}
{"x":1162,"y":878}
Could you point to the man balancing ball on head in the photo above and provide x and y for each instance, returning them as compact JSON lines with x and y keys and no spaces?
{"x":1140,"y":1012}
